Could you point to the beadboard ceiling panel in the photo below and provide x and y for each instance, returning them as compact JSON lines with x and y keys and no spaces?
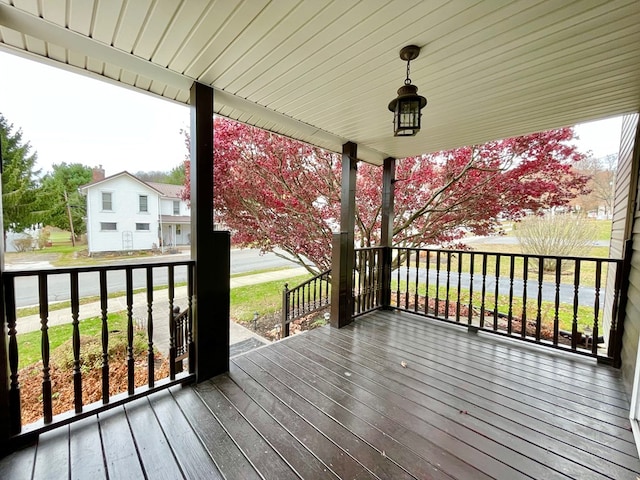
{"x":324,"y":71}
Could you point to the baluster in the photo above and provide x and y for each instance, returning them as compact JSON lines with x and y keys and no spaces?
{"x":525,"y":279}
{"x":446,"y":312}
{"x":512,"y":268}
{"x":437,"y":299}
{"x":483,"y":293}
{"x":131,"y":381}
{"x":596,"y":309}
{"x":460,"y":260}
{"x":47,"y":406}
{"x":574,"y":325}
{"x":416,"y":299}
{"x":496,"y":294}
{"x":398,"y":280}
{"x":172,"y":325}
{"x":15,"y":414}
{"x":539,"y":314}
{"x":556,"y":315}
{"x":75,"y":316}
{"x":191,"y":343}
{"x":105,"y":336}
{"x":316,"y":305}
{"x":284,"y":324}
{"x":365,"y":280}
{"x":303,"y":295}
{"x":150,"y":356}
{"x":426,"y":286}
{"x":372,"y":279}
{"x":356,"y":282}
{"x":471,"y":268}
{"x":406,"y":288}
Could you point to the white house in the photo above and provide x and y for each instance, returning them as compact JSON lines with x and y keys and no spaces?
{"x":126,"y":213}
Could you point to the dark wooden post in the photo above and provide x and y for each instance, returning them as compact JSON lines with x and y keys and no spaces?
{"x":386,"y":233}
{"x":209,"y":249}
{"x":342,"y":260}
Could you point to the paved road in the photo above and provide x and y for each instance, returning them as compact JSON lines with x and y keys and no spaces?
{"x":246,"y":260}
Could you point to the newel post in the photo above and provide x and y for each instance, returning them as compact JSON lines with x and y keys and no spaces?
{"x":343,"y":253}
{"x":386,"y":233}
{"x":210,"y":249}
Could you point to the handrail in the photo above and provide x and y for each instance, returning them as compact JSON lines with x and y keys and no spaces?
{"x":524,"y":296}
{"x":72,"y":284}
{"x":551,"y":300}
{"x":304,"y":299}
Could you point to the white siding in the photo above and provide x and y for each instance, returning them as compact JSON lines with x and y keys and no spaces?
{"x":125,"y":213}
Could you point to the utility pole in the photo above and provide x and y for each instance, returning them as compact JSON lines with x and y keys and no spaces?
{"x":66,"y":202}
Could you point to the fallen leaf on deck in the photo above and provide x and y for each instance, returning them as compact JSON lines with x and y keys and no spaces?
{"x":404,"y":364}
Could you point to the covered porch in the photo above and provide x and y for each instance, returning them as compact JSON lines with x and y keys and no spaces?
{"x":389,"y":394}
{"x":392,"y":395}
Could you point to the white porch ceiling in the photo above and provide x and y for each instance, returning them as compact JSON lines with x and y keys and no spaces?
{"x":324,"y":71}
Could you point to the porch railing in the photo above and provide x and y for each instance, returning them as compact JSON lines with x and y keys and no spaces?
{"x":561,"y":302}
{"x":367,"y":280}
{"x":151,"y":310}
{"x":548,"y":300}
{"x":305,"y":299}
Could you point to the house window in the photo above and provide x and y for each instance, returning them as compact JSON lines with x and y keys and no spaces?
{"x":176,"y":207}
{"x":107,"y":203}
{"x":177,"y":229}
{"x":142,"y":227}
{"x":143,"y":203}
{"x":108,"y":226}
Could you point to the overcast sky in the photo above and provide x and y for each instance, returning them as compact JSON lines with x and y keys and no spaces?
{"x":74,"y":119}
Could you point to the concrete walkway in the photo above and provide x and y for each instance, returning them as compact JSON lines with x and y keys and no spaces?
{"x":160,"y":310}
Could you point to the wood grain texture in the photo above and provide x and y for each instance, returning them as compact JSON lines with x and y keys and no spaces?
{"x":393,"y":395}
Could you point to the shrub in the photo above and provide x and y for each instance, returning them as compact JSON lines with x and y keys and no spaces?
{"x":24,"y":243}
{"x":562,"y":235}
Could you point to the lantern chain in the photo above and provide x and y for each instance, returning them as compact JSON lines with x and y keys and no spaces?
{"x":408,"y":80}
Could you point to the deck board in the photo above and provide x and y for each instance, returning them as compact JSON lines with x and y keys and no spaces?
{"x":496,"y":425}
{"x":333,"y":404}
{"x":85,"y":450}
{"x":432,"y":420}
{"x":302,"y":460}
{"x":336,"y":459}
{"x":18,"y":465}
{"x":191,"y":455}
{"x":156,"y":455}
{"x":226,"y":454}
{"x":119,"y":449}
{"x":52,"y":459}
{"x":516,"y":399}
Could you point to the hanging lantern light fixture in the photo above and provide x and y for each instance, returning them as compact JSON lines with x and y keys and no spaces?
{"x":406,"y":107}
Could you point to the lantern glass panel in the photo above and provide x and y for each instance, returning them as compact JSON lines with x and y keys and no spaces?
{"x":407,"y":117}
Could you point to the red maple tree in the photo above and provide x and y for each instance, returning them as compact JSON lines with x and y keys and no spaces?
{"x":273,"y":192}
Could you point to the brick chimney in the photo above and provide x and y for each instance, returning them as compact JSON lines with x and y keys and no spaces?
{"x":98,"y":173}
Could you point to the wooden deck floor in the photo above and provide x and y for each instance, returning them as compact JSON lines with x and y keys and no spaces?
{"x":393,"y":396}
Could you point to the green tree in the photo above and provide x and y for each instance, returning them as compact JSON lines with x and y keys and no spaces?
{"x":19,"y":179}
{"x":175,"y":176}
{"x":63,"y":206}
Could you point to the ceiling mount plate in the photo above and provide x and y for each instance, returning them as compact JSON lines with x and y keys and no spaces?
{"x":410,"y":52}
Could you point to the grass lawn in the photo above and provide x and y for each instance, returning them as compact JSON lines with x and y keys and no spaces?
{"x":29,"y":344}
{"x":547,"y":310}
{"x":264,"y":298}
